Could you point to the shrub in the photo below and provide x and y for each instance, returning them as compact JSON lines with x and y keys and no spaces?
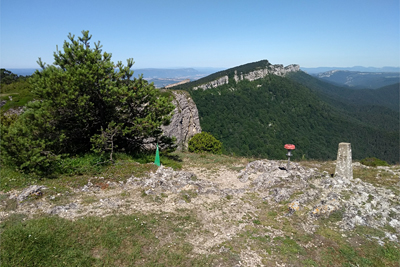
{"x":205,"y":142}
{"x":373,"y":162}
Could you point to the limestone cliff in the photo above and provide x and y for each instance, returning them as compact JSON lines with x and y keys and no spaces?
{"x":255,"y":74}
{"x":185,"y":121}
{"x":213,"y":84}
{"x":277,"y":69}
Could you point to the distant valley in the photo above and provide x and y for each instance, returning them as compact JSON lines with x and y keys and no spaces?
{"x":159,"y":76}
{"x":359,"y":80}
{"x":355,"y":77}
{"x":355,"y":68}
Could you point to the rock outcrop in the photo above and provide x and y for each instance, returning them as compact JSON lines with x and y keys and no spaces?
{"x":185,"y":121}
{"x":220,"y":81}
{"x":221,"y":205}
{"x":277,"y":69}
{"x":356,"y":202}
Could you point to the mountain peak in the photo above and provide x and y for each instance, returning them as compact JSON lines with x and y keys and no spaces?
{"x":250,"y":71}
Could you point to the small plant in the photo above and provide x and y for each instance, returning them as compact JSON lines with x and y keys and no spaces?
{"x":205,"y":142}
{"x":187,"y":195}
{"x":373,"y":162}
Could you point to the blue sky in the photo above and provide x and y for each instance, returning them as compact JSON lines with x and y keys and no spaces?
{"x":215,"y":33}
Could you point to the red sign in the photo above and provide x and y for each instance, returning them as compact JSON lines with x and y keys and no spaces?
{"x":290,"y":147}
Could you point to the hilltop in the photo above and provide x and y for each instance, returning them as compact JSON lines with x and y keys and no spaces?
{"x":214,"y":211}
{"x":256,"y":108}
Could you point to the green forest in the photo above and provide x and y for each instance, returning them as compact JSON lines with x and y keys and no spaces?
{"x":258,"y":118}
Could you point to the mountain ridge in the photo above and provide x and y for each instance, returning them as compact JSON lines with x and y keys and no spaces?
{"x":250,"y":71}
{"x":256,"y":118}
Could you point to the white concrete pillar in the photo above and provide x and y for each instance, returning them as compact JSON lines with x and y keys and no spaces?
{"x":344,"y":161}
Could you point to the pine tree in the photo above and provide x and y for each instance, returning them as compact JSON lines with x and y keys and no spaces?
{"x":79,"y":100}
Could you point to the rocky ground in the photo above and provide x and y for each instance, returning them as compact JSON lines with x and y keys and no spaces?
{"x":227,"y":201}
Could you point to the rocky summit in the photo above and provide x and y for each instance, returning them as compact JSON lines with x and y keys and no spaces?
{"x":239,"y":202}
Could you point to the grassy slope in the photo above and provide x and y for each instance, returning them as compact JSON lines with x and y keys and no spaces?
{"x":18,"y":91}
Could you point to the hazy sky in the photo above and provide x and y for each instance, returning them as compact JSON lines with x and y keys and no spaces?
{"x":207,"y":33}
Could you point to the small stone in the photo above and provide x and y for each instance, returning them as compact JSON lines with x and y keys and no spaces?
{"x":32,"y":190}
{"x":294,"y":206}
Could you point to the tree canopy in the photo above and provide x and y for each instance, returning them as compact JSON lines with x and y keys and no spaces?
{"x":258,"y":118}
{"x":84,"y":102}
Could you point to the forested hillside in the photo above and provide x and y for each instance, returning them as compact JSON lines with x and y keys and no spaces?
{"x":377,"y":108}
{"x":257,"y":118}
{"x":387,"y":96}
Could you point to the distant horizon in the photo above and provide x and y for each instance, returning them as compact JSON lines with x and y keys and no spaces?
{"x":211,"y":67}
{"x":24,"y":71}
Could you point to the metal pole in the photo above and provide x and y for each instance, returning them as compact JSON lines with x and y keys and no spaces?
{"x":289,"y":148}
{"x":288,"y":162}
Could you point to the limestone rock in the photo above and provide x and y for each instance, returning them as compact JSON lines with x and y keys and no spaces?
{"x":33,"y":190}
{"x":185,"y":121}
{"x":281,"y":194}
{"x":220,"y":81}
{"x":294,"y":206}
{"x":277,"y":69}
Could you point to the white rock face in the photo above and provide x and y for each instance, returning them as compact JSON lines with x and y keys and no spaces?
{"x":278,"y":70}
{"x":221,"y":81}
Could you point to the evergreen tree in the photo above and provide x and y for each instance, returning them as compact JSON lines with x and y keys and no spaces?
{"x":81,"y":99}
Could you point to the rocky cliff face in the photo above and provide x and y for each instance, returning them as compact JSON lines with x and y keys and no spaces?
{"x":185,"y":121}
{"x":221,"y":81}
{"x":277,"y":69}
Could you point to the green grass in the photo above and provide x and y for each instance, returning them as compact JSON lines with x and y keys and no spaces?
{"x":18,"y":91}
{"x":76,"y":171}
{"x":373,"y":162}
{"x":376,"y":176}
{"x":134,"y":240}
{"x":210,"y":161}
